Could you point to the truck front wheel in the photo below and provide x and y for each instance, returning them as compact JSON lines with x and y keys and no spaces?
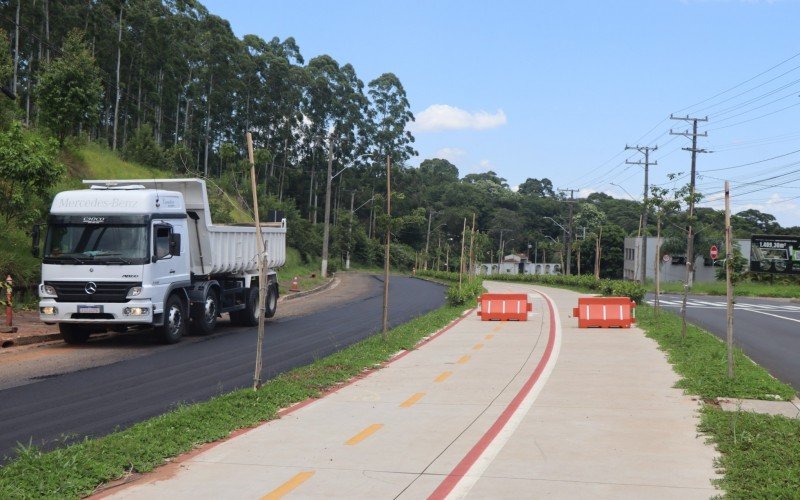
{"x":174,"y":321}
{"x":74,"y":334}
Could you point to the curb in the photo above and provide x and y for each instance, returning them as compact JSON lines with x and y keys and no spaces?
{"x":295,"y":295}
{"x":30,"y":339}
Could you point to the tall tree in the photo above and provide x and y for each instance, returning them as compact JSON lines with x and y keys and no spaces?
{"x":69,"y":88}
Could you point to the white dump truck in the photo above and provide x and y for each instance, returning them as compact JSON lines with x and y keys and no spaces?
{"x":145,"y":253}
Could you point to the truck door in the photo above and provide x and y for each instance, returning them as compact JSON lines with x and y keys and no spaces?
{"x":165,"y":267}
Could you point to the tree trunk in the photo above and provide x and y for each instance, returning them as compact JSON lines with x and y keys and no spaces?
{"x":16,"y":49}
{"x":208,"y":123}
{"x":119,"y":60}
{"x":47,"y":30}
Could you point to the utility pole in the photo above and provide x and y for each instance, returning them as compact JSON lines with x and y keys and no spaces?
{"x":262,"y":267}
{"x":428,"y":237}
{"x":471,"y":244}
{"x":690,"y":235}
{"x":728,"y":283}
{"x":388,"y":242}
{"x":327,"y":226}
{"x":461,"y":260}
{"x":646,"y":150}
{"x":568,"y":236}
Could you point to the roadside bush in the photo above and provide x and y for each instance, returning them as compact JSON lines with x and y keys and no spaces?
{"x":607,"y":287}
{"x":466,"y":293}
{"x":142,"y":148}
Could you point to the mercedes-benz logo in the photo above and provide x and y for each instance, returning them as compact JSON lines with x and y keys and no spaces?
{"x":90,"y":288}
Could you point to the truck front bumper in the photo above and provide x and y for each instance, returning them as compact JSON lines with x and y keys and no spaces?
{"x":131,"y":312}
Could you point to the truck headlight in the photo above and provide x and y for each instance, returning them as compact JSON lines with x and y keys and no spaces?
{"x":48,"y":310}
{"x":48,"y":290}
{"x":136,"y":311}
{"x":134,"y":291}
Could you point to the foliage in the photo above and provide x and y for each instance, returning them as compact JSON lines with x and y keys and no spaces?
{"x":466,"y":292}
{"x":142,"y":148}
{"x":8,"y":109}
{"x":69,"y":88}
{"x":76,"y":470}
{"x":760,"y":453}
{"x":740,"y":266}
{"x":28,"y":171}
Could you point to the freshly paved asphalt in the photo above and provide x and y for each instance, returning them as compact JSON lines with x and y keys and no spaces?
{"x":767,"y":330}
{"x":99,"y":400}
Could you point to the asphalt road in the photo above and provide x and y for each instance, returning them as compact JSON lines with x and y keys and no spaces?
{"x":98,"y":400}
{"x":767,"y":330}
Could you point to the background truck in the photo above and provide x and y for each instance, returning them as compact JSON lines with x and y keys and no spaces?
{"x":145,"y":253}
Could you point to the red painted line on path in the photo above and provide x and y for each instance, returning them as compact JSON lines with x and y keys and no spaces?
{"x":472,"y":456}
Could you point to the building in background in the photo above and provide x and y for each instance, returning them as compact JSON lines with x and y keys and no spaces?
{"x":675,"y":268}
{"x":518,"y":264}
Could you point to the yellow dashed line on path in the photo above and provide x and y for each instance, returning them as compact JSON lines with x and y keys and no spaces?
{"x":477,"y":346}
{"x":462,"y":360}
{"x":489,"y":337}
{"x":372,"y":429}
{"x":497,"y":328}
{"x":443,"y":376}
{"x":288,"y":486}
{"x":412,"y":400}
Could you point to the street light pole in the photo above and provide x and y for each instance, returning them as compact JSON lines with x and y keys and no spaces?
{"x":350,"y":229}
{"x":326,"y":229}
{"x":428,"y":238}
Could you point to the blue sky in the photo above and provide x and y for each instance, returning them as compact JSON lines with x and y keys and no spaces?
{"x":557,"y":89}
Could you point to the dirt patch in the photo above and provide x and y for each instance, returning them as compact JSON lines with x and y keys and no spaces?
{"x":29,"y":330}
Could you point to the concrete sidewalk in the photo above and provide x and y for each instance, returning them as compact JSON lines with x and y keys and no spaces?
{"x":484,"y":410}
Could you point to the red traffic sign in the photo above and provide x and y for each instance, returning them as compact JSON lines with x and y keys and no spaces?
{"x":714,"y":252}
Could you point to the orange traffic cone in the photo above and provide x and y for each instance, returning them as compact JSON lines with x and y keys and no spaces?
{"x":295,"y":286}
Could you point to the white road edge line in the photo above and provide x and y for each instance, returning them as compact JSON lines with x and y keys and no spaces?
{"x":479,"y":467}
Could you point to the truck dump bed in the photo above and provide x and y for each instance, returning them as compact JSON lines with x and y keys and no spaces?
{"x":221,"y":248}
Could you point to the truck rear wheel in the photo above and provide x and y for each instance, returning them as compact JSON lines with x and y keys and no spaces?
{"x":174,"y":321}
{"x":204,"y":315}
{"x":271,"y":304}
{"x":249,"y":315}
{"x":74,"y":334}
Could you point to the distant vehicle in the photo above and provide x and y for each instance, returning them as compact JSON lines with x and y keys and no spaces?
{"x":145,"y":253}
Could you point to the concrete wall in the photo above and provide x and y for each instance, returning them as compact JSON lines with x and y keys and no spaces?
{"x":669,"y":271}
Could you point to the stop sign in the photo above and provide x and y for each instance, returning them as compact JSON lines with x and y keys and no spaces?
{"x":714,"y":252}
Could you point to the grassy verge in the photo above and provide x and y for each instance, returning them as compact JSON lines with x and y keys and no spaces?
{"x":743,"y":289}
{"x":308,"y":273}
{"x":760,"y":453}
{"x":77,"y":470}
{"x":701,"y":359}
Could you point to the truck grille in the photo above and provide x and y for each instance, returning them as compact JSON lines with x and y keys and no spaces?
{"x":107,"y":291}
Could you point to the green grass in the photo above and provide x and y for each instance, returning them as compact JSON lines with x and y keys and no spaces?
{"x":78,"y":469}
{"x":303,"y":270}
{"x":102,"y":163}
{"x":760,"y":453}
{"x":701,"y":360}
{"x":743,"y":289}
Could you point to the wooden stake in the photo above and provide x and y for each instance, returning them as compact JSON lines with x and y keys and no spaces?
{"x":728,"y":283}
{"x":461,"y":260}
{"x":388,"y":242}
{"x":262,"y":266}
{"x":471,"y":266}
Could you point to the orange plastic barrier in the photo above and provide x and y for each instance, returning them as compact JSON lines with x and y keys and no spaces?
{"x":504,"y":307}
{"x":605,"y":312}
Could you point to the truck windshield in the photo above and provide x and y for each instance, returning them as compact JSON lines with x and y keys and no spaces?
{"x":95,"y":244}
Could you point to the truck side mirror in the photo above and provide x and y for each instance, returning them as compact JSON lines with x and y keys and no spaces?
{"x":35,"y":240}
{"x":175,"y":244}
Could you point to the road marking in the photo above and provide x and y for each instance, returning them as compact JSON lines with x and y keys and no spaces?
{"x":463,"y":359}
{"x":489,"y":337}
{"x":497,"y":328}
{"x":739,"y":306}
{"x":372,"y":429}
{"x":443,"y":376}
{"x":477,"y":346}
{"x":775,"y":315}
{"x":412,"y":400}
{"x":288,"y":486}
{"x":463,"y":477}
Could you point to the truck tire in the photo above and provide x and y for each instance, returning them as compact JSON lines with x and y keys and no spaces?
{"x":204,"y":314}
{"x":271,"y":304}
{"x":74,"y":334}
{"x":249,"y":315}
{"x":174,"y":321}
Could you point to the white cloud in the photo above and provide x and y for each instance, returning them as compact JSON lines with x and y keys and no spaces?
{"x":444,"y":117}
{"x":482,"y":166}
{"x":450,"y":154}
